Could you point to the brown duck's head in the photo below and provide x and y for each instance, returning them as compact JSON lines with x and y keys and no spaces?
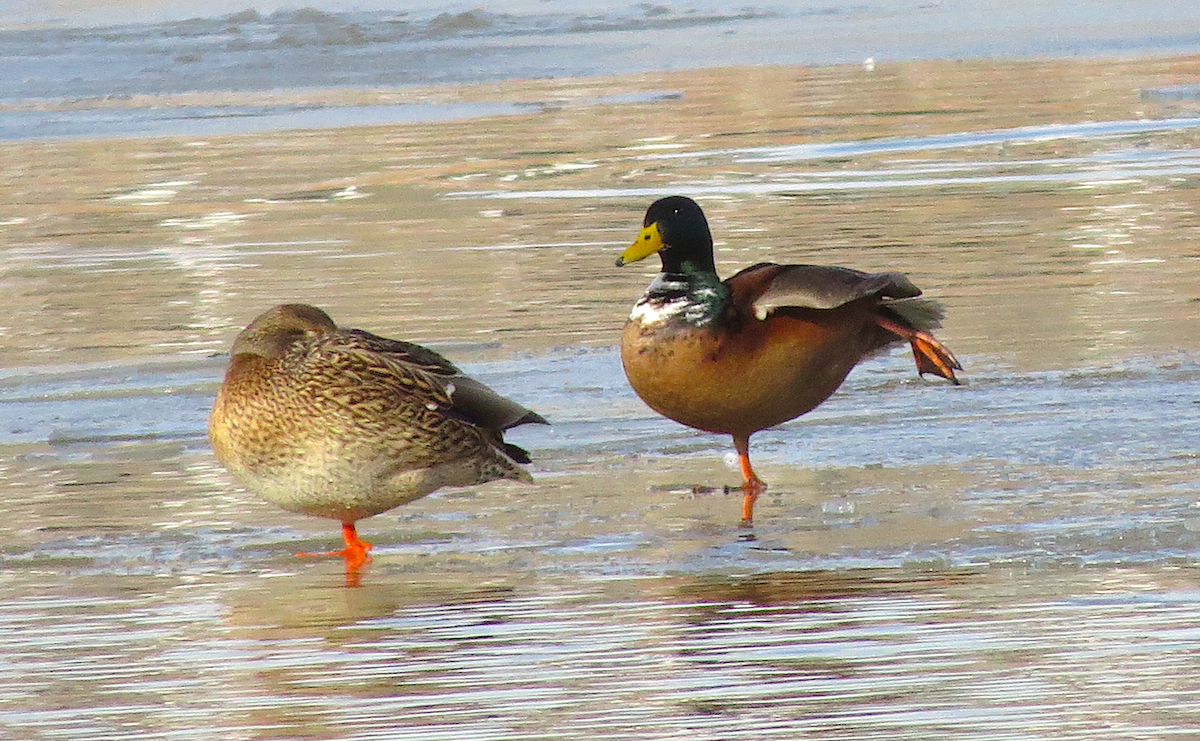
{"x":676,"y":229}
{"x":276,"y":330}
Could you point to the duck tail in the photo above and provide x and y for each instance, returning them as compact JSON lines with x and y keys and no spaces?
{"x":506,"y":460}
{"x":922,"y":314}
{"x":517,"y":453}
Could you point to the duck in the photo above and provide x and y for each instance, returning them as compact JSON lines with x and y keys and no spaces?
{"x":766,"y":345}
{"x":345,"y":424}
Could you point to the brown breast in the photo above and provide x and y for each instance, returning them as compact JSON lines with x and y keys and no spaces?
{"x":747,"y":374}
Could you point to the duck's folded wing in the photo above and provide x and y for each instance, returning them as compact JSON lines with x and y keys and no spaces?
{"x":488,"y":409}
{"x":398,"y":351}
{"x":419,"y":370}
{"x":772,"y":287}
{"x":378,"y":374}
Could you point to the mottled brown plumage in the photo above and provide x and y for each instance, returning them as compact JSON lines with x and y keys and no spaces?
{"x":345,"y":424}
{"x":765,"y":346}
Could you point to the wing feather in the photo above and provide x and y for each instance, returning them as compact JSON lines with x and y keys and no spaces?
{"x":388,"y":366}
{"x":824,"y":287}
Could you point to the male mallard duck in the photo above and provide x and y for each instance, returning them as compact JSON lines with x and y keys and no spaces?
{"x":765,"y":346}
{"x":345,"y":424}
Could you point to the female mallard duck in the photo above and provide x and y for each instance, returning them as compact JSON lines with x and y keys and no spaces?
{"x":765,"y":346}
{"x":345,"y":424}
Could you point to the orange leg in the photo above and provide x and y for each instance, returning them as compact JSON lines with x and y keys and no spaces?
{"x":356,"y":548}
{"x":355,"y":551}
{"x":931,"y":355}
{"x":752,"y":485}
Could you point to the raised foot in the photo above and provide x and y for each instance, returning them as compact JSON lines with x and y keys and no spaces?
{"x":934,"y":357}
{"x":931,"y":355}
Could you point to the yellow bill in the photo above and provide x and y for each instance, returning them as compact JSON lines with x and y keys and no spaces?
{"x":648,"y":242}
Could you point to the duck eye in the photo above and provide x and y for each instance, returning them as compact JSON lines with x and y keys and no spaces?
{"x":647,"y":237}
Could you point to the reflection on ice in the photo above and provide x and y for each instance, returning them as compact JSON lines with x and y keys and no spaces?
{"x":800,"y":152}
{"x":1120,"y":165}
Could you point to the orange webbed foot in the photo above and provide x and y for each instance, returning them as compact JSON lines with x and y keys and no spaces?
{"x":752,"y":485}
{"x":356,"y":551}
{"x":931,"y":355}
{"x":934,"y":357}
{"x":751,"y":488}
